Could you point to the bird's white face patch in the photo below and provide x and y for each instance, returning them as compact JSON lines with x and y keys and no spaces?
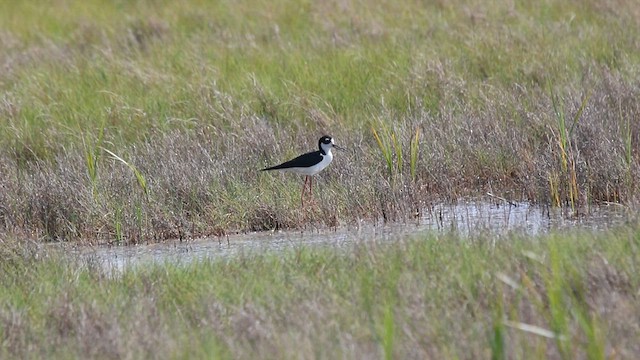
{"x":326,"y":143}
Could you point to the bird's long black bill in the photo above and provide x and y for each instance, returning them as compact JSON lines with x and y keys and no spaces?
{"x":339,"y":147}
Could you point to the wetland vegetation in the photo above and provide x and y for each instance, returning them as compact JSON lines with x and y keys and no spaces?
{"x":127,"y":122}
{"x":145,"y":120}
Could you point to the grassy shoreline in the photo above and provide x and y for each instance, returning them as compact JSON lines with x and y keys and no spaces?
{"x":534,"y":103}
{"x":564,"y":295}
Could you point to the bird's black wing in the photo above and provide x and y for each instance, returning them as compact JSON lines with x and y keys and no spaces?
{"x":305,"y":160}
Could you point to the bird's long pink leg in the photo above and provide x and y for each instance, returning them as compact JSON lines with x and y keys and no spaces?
{"x":304,"y":186}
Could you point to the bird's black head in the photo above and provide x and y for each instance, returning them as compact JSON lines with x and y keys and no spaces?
{"x":326,"y":140}
{"x":326,"y":143}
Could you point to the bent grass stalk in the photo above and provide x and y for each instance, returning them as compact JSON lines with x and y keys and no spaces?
{"x":142,"y":182}
{"x":139,"y":216}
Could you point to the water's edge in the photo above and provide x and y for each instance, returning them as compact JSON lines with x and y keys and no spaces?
{"x":466,"y":219}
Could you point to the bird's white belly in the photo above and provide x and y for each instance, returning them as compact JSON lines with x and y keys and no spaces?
{"x":326,"y":160}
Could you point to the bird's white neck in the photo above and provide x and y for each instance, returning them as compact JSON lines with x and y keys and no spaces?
{"x":328,"y":154}
{"x":326,"y":148}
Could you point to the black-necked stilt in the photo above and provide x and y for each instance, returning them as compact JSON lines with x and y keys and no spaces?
{"x":310,"y":164}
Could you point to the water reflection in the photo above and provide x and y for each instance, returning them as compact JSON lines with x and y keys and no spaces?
{"x":467,"y":219}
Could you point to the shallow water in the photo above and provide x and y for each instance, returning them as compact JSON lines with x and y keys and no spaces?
{"x":466,"y":219}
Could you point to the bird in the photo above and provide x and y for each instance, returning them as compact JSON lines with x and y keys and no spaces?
{"x":309,"y":164}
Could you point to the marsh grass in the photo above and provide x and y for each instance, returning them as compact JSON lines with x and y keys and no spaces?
{"x":198,"y":96}
{"x":388,"y":145}
{"x":568,"y":154}
{"x":568,"y":295}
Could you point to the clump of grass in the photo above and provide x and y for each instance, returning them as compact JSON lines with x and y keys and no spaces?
{"x":568,"y":154}
{"x":388,"y":145}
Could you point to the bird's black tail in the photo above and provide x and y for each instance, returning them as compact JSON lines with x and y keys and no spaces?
{"x":272,"y":168}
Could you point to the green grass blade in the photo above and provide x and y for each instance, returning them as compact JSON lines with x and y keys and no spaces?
{"x":577,"y":116}
{"x":142,"y":182}
{"x":413,"y":160}
{"x":385,"y":150}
